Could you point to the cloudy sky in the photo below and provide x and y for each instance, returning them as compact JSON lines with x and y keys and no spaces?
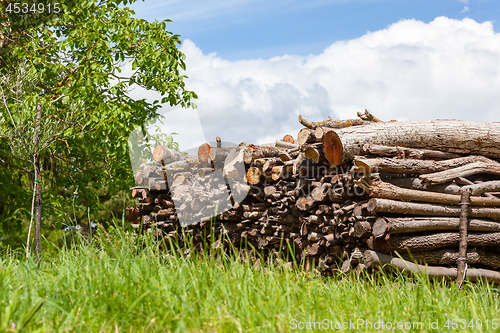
{"x":257,"y":64}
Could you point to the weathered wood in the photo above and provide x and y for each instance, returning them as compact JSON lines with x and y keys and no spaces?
{"x":166,"y":155}
{"x":333,"y":123}
{"x":490,"y":167}
{"x":287,"y":145}
{"x":376,"y":188}
{"x":252,"y":153}
{"x":312,"y":153}
{"x":367,"y":116}
{"x":412,"y":166}
{"x":295,"y":164}
{"x":434,"y":241}
{"x":417,"y":184}
{"x":253,"y":175}
{"x":288,"y":138}
{"x":277,"y":172}
{"x":478,"y":189}
{"x":427,"y":209}
{"x":319,"y":132}
{"x":449,"y":256}
{"x":333,"y":148}
{"x":374,"y":259}
{"x":400,"y":225}
{"x":462,"y":231}
{"x":140,"y":193}
{"x":362,"y":229}
{"x":306,"y":135}
{"x":454,"y":136}
{"x":233,"y":164}
{"x":404,"y":152}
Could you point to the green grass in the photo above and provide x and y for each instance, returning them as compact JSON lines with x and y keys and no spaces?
{"x":115,"y":287}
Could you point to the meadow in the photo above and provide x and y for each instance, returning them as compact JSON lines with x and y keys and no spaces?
{"x":124,"y":283}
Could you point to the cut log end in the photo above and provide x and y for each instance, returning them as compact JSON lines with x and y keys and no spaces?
{"x":333,"y":149}
{"x":204,"y":153}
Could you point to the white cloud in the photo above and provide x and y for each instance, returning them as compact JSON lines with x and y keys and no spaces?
{"x":411,"y":70}
{"x":464,"y":1}
{"x":465,"y":10}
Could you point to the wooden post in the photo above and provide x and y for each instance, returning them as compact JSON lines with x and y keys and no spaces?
{"x":462,"y":229}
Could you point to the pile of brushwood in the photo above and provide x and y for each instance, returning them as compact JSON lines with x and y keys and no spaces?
{"x":356,"y":194}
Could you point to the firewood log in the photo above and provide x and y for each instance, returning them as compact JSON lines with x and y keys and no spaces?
{"x":412,"y":166}
{"x":253,"y":175}
{"x":379,"y":189}
{"x":404,"y":152}
{"x":333,"y":123}
{"x":306,"y":135}
{"x":252,"y":153}
{"x":434,"y":241}
{"x":166,"y":155}
{"x":208,"y":154}
{"x":426,"y":209}
{"x":478,"y":189}
{"x":398,"y":225}
{"x":449,"y":256}
{"x":454,"y":136}
{"x":490,"y":167}
{"x":374,"y":260}
{"x":288,"y":138}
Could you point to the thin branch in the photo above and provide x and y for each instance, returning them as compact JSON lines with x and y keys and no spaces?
{"x":58,"y":98}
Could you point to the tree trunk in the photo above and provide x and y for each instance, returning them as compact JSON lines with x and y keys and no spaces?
{"x":454,"y":136}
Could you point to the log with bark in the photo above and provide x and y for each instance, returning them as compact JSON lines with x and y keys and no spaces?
{"x":374,"y":259}
{"x":452,"y":136}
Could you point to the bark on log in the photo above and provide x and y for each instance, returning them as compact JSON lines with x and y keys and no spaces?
{"x":379,"y":189}
{"x":287,"y":145}
{"x":411,"y":166}
{"x":454,"y":136}
{"x":478,"y":189}
{"x":462,"y":231}
{"x":450,"y":256}
{"x":423,"y":154}
{"x":434,"y":241}
{"x":332,"y":123}
{"x":490,"y":167}
{"x":208,"y":154}
{"x":166,"y":155}
{"x":426,"y":209}
{"x":252,"y":153}
{"x":400,"y":225}
{"x":374,"y":259}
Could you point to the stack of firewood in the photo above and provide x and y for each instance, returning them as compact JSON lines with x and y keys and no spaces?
{"x":356,"y":192}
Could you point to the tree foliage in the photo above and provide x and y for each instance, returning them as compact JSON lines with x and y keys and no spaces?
{"x":90,"y":54}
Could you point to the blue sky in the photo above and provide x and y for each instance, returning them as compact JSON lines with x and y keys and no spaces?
{"x":238,"y":29}
{"x":256,"y":65}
